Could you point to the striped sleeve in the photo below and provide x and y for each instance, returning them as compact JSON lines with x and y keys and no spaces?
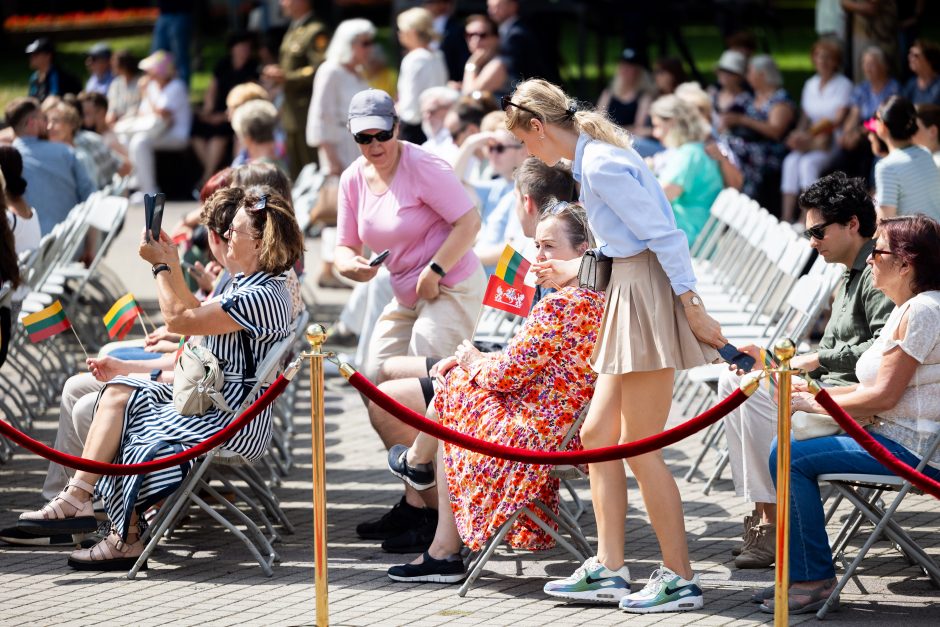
{"x":262,"y":308}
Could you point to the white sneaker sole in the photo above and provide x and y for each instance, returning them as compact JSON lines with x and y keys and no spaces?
{"x":590,"y":596}
{"x":457,"y":578}
{"x":420,"y":487}
{"x":682,"y":605}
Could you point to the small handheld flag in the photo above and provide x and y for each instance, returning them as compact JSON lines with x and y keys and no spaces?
{"x":515,"y":299}
{"x":512,"y":266}
{"x":46,"y":323}
{"x":120,"y":318}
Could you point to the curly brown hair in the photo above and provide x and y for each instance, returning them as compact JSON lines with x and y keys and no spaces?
{"x":282,"y":242}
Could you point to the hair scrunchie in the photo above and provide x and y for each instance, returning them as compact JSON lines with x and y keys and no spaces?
{"x":570,"y":111}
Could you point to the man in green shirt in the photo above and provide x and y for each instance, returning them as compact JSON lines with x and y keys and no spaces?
{"x":840,"y":223}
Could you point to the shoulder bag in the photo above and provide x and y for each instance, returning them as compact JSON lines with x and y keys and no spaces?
{"x":594,"y":273}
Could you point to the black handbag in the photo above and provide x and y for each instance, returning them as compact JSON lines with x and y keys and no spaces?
{"x":594,"y":273}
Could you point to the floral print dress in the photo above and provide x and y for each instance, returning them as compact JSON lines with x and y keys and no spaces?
{"x":526,"y":396}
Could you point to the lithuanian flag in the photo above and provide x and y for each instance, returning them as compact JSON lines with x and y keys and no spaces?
{"x":46,"y":323}
{"x":121,"y":316}
{"x":512,"y":266}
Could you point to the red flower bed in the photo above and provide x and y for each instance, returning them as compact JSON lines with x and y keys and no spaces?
{"x":81,"y":19}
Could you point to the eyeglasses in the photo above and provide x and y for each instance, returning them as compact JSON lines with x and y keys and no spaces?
{"x":230,"y":230}
{"x":365,"y":138}
{"x":817,"y":232}
{"x":476,"y":35}
{"x":877,"y":253}
{"x":365,"y":43}
{"x":505,"y":103}
{"x":501,"y":148}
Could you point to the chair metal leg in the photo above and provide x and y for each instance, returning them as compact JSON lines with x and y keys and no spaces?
{"x":487,"y":552}
{"x":716,"y":474}
{"x":264,"y":563}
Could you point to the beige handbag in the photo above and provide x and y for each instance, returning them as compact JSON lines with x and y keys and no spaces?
{"x":197,"y":382}
{"x":805,"y":426}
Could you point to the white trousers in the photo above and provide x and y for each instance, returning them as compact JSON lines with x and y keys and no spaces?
{"x":76,"y":411}
{"x":750,"y":429}
{"x":801,"y":169}
{"x":141,"y":149}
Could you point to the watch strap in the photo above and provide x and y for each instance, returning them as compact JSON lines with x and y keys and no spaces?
{"x":158,"y":268}
{"x":436,"y":267}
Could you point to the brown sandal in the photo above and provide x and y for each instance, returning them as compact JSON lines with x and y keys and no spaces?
{"x":112,"y":553}
{"x":806,"y":600}
{"x":53,"y":519}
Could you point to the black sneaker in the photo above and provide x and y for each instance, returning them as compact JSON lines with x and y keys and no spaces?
{"x":430,"y":570}
{"x":420,"y":477}
{"x":18,"y":537}
{"x":399,"y":519}
{"x":415,"y":540}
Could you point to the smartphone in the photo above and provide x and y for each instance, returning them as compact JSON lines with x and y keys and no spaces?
{"x":378,"y":259}
{"x":193,"y":270}
{"x":148,"y":214}
{"x":156,"y":218}
{"x":742,"y":361}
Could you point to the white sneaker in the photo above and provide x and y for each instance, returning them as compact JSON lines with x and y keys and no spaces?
{"x":592,"y":581}
{"x":665,"y":592}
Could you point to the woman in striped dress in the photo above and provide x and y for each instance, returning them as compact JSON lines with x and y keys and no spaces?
{"x":135,"y":420}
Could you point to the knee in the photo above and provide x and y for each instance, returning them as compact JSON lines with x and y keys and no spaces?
{"x":596,"y":434}
{"x":115,"y":397}
{"x":728,"y":382}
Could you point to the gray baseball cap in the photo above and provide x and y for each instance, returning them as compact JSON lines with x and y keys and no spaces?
{"x":371,"y":108}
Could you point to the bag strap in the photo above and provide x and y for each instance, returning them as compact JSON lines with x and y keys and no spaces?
{"x":249,"y":372}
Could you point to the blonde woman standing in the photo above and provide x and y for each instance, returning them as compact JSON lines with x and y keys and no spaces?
{"x":654,"y":323}
{"x":421,"y":68}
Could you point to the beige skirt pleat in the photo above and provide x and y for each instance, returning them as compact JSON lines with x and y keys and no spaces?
{"x":644,"y":326}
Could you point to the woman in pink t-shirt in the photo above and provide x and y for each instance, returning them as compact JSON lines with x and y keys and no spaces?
{"x":401,"y":198}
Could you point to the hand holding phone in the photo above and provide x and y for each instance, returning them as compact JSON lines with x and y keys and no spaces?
{"x":378,"y":259}
{"x":741,"y":361}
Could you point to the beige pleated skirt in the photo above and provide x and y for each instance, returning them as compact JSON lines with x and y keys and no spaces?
{"x":644,"y":326}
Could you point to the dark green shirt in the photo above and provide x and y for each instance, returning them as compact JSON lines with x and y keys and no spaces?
{"x":858,"y":313}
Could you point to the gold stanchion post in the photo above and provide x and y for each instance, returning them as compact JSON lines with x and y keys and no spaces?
{"x":784,"y":350}
{"x":316,"y":336}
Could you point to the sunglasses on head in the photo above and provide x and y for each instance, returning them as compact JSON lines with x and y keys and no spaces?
{"x":818,"y":231}
{"x":501,"y":148}
{"x":365,"y":138}
{"x":505,"y":103}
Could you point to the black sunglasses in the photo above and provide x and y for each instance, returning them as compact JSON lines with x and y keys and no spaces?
{"x":501,"y":148}
{"x":818,"y":231}
{"x":877,"y":253}
{"x":505,"y":103}
{"x":365,"y":138}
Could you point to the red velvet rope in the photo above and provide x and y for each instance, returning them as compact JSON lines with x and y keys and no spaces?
{"x":620,"y":451}
{"x":104,"y":468}
{"x":875,"y":448}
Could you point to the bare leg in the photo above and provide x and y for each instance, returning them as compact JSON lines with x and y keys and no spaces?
{"x":608,"y":479}
{"x":646,"y":398}
{"x":767,"y":512}
{"x":447,"y":540}
{"x":104,"y":436}
{"x":424,"y":449}
{"x":393,"y":431}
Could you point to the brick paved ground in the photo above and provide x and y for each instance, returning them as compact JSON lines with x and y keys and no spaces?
{"x":203,"y":576}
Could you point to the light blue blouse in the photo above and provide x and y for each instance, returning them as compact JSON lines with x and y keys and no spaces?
{"x":627,"y":209}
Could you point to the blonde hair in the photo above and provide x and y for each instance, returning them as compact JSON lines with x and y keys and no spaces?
{"x":692,"y":93}
{"x":493,"y":121}
{"x":240,"y":94}
{"x":68,"y":114}
{"x":687,"y":123}
{"x":552,"y":106}
{"x":420,"y":21}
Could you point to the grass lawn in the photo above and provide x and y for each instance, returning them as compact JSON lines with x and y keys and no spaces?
{"x":790,"y":48}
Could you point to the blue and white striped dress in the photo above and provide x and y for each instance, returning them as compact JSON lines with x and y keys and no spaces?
{"x":261,"y":304}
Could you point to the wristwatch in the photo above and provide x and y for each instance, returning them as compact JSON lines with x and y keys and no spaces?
{"x":158,"y":268}
{"x":695,"y":301}
{"x":155,"y":374}
{"x":437,"y":268}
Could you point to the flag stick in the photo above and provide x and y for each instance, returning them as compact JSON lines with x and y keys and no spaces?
{"x":475,"y":324}
{"x":149,"y":319}
{"x":75,"y":333}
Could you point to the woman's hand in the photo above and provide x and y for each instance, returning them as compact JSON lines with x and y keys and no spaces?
{"x":799,"y":141}
{"x":204,"y":279}
{"x":355,"y":268}
{"x":440,"y":369}
{"x":429,"y":284}
{"x":731,"y":119}
{"x":705,"y":328}
{"x":159,"y":334}
{"x":803,"y":401}
{"x":555,"y":272}
{"x":106,"y":368}
{"x":754,"y":353}
{"x":467,"y":355}
{"x":162,"y":250}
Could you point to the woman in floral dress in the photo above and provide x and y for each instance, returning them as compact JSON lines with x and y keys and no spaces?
{"x":526,"y":396}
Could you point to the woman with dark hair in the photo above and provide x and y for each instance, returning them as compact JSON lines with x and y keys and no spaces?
{"x":24,"y":220}
{"x":9,"y":277}
{"x":899,"y":384}
{"x":906,"y":181}
{"x":485,"y":69}
{"x":123,"y":92}
{"x":924,"y":60}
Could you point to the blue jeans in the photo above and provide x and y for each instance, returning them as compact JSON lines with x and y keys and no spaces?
{"x":810,"y":555}
{"x":172,"y":32}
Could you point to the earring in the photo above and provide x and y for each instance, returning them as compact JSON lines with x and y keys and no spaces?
{"x":541,"y":137}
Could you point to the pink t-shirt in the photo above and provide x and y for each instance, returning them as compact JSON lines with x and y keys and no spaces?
{"x":411,"y":219}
